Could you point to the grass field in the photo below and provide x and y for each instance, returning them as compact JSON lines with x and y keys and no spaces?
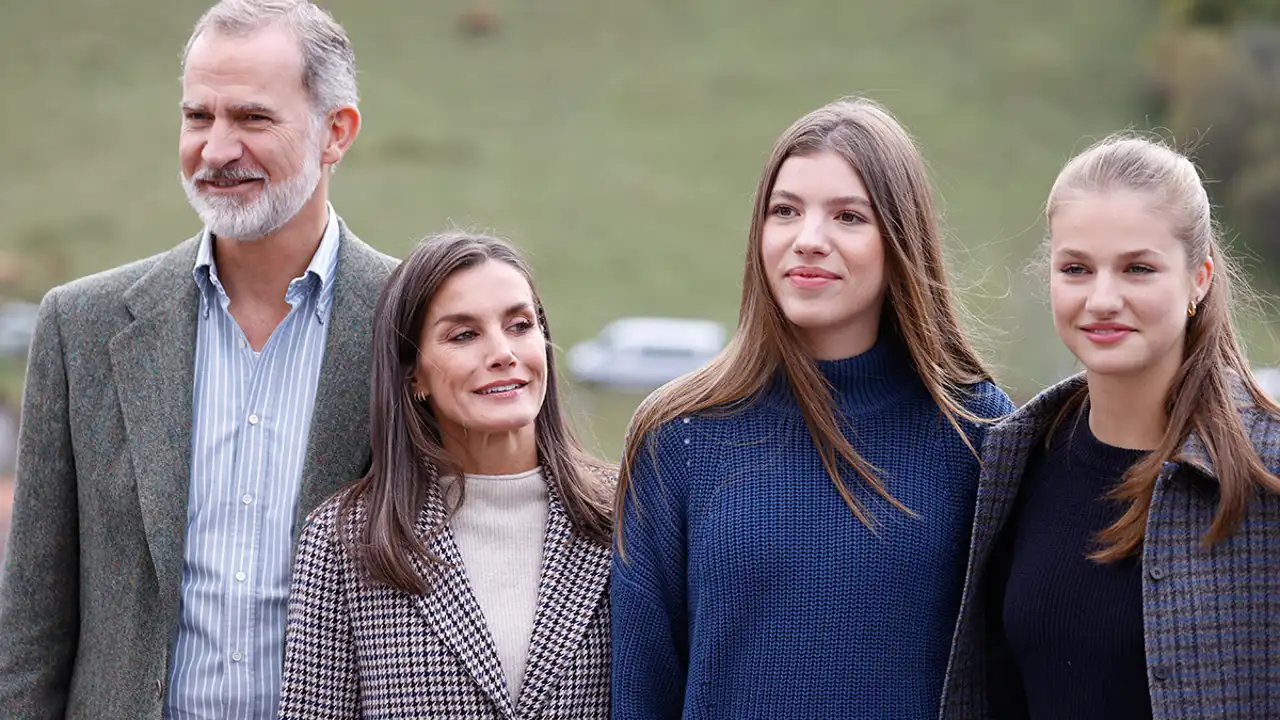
{"x":618,"y":142}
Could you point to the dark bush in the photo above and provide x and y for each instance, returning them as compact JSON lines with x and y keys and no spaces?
{"x":1217,"y":90}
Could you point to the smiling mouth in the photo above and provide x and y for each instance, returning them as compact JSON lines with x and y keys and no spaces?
{"x":494,"y":390}
{"x":228,"y":183}
{"x":812,"y":274}
{"x":808,"y":281}
{"x":1107,"y":335}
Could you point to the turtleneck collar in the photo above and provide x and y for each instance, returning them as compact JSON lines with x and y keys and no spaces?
{"x":860,"y":384}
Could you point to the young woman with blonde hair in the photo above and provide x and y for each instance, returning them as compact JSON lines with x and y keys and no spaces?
{"x":1126,"y":547}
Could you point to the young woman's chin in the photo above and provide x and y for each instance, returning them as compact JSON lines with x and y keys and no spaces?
{"x":1132,"y":362}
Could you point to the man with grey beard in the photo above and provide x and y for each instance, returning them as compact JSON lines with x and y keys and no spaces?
{"x":185,"y":412}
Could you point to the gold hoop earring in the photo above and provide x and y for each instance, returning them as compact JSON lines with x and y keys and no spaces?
{"x":1191,"y":309}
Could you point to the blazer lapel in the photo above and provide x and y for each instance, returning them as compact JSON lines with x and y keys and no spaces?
{"x":451,"y":610}
{"x":153,"y":362}
{"x":1006,"y":450}
{"x":338,"y":443}
{"x":575,"y":573}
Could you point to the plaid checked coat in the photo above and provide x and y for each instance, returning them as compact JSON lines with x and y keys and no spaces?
{"x":1211,"y":617}
{"x":355,"y":650}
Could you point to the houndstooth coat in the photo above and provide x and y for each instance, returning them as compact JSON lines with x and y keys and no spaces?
{"x":355,"y":650}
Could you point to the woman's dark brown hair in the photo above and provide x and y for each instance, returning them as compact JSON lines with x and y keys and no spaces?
{"x":1203,"y":396}
{"x":383,"y":507}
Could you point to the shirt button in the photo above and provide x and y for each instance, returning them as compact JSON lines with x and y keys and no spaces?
{"x":1156,"y":573}
{"x":246,"y":499}
{"x":240,"y":576}
{"x":1160,"y":672}
{"x":253,"y":419}
{"x":237,"y":657}
{"x":242,"y":342}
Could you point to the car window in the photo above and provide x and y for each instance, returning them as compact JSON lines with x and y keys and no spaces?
{"x":666,"y":351}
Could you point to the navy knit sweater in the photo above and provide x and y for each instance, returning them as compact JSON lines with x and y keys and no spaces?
{"x":1066,"y":632}
{"x":750,"y":590}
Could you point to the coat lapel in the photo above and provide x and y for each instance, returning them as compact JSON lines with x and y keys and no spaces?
{"x":575,"y":572}
{"x":338,"y":443}
{"x":451,"y":610}
{"x":153,"y":362}
{"x":1006,"y":451}
{"x":574,"y":577}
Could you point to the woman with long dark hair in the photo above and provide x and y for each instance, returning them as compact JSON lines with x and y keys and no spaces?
{"x":793,"y":518}
{"x":465,"y":575}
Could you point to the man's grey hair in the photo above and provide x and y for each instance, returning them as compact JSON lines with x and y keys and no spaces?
{"x":328,"y":60}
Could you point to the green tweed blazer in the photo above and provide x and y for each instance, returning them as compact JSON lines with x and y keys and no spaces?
{"x":90,"y":587}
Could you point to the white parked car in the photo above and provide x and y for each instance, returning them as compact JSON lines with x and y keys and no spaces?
{"x":1269,"y":379}
{"x":641,"y":353}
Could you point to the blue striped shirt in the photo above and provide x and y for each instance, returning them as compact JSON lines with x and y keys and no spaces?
{"x":252,"y":414}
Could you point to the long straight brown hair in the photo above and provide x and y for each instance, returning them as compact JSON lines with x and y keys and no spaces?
{"x":919,"y":308}
{"x":385,"y":505}
{"x":1203,"y":396}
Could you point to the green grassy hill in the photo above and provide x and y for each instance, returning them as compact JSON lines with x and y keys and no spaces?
{"x":618,"y":142}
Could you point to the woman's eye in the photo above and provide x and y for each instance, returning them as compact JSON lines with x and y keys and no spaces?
{"x":783,"y":211}
{"x":849,"y":218}
{"x":463,"y":336}
{"x":1073,"y":269}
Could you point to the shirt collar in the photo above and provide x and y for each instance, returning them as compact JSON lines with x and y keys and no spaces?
{"x":323,"y":266}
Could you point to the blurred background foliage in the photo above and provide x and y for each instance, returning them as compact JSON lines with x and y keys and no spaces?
{"x":619,"y":142}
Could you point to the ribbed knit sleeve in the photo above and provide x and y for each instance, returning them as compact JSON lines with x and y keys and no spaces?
{"x":650,"y":619}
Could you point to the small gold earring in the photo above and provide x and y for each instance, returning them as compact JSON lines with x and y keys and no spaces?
{"x":1191,"y":309}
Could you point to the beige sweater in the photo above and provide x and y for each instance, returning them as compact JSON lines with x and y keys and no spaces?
{"x":499,"y":531}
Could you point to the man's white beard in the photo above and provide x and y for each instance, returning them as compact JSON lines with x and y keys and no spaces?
{"x":275,"y":204}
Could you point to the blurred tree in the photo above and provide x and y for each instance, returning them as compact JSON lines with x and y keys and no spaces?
{"x":1216,"y":86}
{"x":1222,"y":13}
{"x":1254,"y":208}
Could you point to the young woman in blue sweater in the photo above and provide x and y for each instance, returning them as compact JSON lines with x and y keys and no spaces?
{"x":795,"y":517}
